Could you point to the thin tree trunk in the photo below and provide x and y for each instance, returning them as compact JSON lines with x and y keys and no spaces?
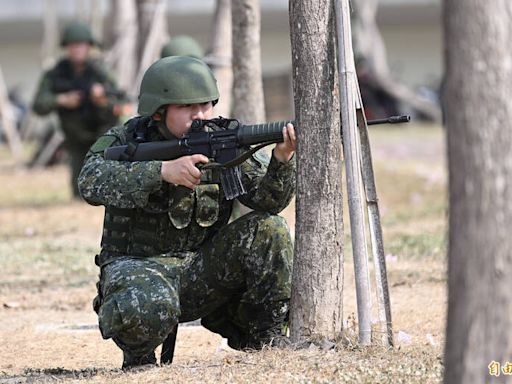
{"x":50,"y":35}
{"x":478,"y":119}
{"x":220,"y":56}
{"x":153,"y":22}
{"x":249,"y":106}
{"x":81,"y":10}
{"x":8,"y":124}
{"x":96,"y":19}
{"x":316,"y":303}
{"x":146,"y":13}
{"x":123,"y":55}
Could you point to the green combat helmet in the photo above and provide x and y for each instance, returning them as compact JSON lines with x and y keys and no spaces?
{"x":77,"y":32}
{"x":176,"y":80}
{"x":182,"y":46}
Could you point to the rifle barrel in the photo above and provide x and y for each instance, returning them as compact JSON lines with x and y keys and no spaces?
{"x":390,"y":120}
{"x":260,"y":133}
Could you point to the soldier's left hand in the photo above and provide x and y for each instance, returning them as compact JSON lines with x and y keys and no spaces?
{"x":285,"y":150}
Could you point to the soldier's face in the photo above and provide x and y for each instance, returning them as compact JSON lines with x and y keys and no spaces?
{"x":78,"y":52}
{"x":179,"y":116}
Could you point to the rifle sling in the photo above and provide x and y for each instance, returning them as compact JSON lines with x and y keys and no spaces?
{"x":237,"y":160}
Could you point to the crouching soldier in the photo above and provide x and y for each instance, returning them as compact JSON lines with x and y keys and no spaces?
{"x":169,"y":256}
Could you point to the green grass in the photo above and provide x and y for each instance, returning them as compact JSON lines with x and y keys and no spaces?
{"x":46,"y":260}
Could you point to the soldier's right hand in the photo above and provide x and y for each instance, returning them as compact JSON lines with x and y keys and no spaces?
{"x":183,"y":171}
{"x":69,"y":100}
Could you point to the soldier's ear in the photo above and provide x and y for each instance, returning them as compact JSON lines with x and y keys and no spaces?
{"x":160,"y":113}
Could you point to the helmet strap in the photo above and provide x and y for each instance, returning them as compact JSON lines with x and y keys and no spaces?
{"x":162,"y":127}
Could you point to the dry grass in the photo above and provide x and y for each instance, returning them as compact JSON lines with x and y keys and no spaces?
{"x":48,"y":329}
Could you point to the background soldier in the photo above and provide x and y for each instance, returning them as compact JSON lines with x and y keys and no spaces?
{"x":182,"y":46}
{"x":168,"y":253}
{"x":81,"y":92}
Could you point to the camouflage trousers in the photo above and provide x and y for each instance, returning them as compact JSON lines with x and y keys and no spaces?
{"x":238,"y":283}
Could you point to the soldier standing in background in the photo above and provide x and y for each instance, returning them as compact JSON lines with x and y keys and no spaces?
{"x":82,"y":93}
{"x":182,"y":45}
{"x":168,"y":254}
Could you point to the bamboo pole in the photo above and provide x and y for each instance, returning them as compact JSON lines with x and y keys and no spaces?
{"x":347,"y":86}
{"x":372,"y":205}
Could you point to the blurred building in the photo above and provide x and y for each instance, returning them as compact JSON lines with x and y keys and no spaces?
{"x":411,"y":30}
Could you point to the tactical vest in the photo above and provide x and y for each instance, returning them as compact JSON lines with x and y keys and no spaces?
{"x":63,"y":79}
{"x":175,"y":220}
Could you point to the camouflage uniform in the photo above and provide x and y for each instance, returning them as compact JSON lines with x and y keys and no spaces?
{"x":169,"y":255}
{"x":83,"y":125}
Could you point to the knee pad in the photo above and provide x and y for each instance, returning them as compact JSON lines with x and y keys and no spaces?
{"x":134,"y":317}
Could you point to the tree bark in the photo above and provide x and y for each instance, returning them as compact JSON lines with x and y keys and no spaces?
{"x":96,"y":19}
{"x":146,"y":13}
{"x":153,"y":28}
{"x":316,"y":303}
{"x":249,"y":106}
{"x":123,"y":55}
{"x":50,"y":35}
{"x":8,"y":124}
{"x":220,"y":56}
{"x":478,"y":65}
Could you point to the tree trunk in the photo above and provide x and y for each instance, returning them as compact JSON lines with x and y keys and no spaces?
{"x":146,"y":13}
{"x":219,"y":57}
{"x":248,"y":85}
{"x":96,"y":19}
{"x":478,"y":119}
{"x":152,"y":34}
{"x":316,"y":304}
{"x":8,"y":124}
{"x":50,"y":35}
{"x":369,"y":45}
{"x":123,"y":55}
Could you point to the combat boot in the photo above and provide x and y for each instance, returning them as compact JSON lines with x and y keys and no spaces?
{"x":271,"y":326}
{"x":131,"y":361}
{"x":276,"y":337}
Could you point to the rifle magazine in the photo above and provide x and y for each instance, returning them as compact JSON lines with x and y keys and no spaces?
{"x":231,"y":181}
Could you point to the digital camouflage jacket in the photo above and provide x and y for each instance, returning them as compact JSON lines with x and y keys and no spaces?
{"x":82,"y":125}
{"x":147,"y":217}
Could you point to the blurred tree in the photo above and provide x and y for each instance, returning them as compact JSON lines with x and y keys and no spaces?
{"x":249,"y":105}
{"x":220,"y":55}
{"x":478,"y":66}
{"x":96,"y":18}
{"x":136,"y":32}
{"x":122,"y":56}
{"x":316,"y":303}
{"x":152,"y":18}
{"x":50,"y":34}
{"x":248,"y":99}
{"x":370,"y":54}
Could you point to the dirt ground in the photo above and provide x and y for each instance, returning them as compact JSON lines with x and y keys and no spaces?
{"x":49,"y":333}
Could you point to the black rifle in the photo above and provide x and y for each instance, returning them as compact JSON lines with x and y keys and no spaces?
{"x":226,"y":141}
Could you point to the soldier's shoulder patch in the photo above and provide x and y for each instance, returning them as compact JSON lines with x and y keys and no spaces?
{"x":102,"y":143}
